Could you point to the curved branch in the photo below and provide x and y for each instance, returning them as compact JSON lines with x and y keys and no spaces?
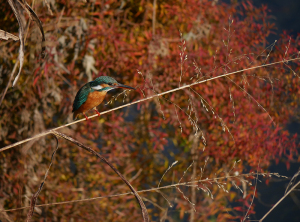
{"x":137,"y":196}
{"x":35,"y":196}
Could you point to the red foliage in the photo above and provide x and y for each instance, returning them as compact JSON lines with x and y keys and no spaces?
{"x":239,"y":117}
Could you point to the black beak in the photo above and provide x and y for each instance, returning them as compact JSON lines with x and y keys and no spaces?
{"x":123,"y":86}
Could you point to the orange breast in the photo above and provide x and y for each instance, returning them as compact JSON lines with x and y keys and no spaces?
{"x":94,"y":99}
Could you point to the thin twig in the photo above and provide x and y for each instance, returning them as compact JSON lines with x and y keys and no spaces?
{"x":143,"y":191}
{"x":18,"y":13}
{"x":9,"y":80}
{"x":35,"y":196}
{"x":292,"y":180}
{"x":139,"y":199}
{"x":139,"y":101}
{"x":253,"y":193}
{"x":167,"y":171}
{"x":153,"y":18}
{"x":279,"y":201}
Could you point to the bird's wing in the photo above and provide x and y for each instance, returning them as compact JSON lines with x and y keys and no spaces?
{"x":81,"y":96}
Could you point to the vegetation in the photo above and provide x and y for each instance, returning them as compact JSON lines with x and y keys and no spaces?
{"x":214,"y":137}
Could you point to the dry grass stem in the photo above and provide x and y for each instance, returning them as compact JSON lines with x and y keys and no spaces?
{"x":35,"y":196}
{"x":292,"y":181}
{"x":285,"y":195}
{"x":7,"y":36}
{"x":138,"y":198}
{"x":210,"y":181}
{"x":142,"y":100}
{"x":246,"y":215}
{"x":173,"y":164}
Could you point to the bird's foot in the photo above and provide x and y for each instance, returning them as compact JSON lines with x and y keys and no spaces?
{"x":97,"y":112}
{"x":86,"y":117}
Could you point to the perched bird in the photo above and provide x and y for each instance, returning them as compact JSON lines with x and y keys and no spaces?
{"x":92,"y":94}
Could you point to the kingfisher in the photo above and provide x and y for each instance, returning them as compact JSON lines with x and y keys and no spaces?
{"x":92,"y":94}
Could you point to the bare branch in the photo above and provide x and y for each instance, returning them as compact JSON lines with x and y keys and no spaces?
{"x":35,"y":196}
{"x":17,"y":13}
{"x":40,"y":25}
{"x":7,"y":86}
{"x":7,"y":36}
{"x":157,"y":189}
{"x":141,"y":100}
{"x":34,"y":17}
{"x":285,"y":195}
{"x":139,"y":199}
{"x":246,"y":215}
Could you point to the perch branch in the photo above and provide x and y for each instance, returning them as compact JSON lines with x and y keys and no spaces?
{"x":141,"y":100}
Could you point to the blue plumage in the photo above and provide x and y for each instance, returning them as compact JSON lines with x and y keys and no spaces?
{"x":92,"y":94}
{"x":84,"y":91}
{"x":81,"y":96}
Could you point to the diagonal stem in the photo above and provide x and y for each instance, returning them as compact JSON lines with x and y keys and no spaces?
{"x":142,"y":100}
{"x":35,"y":196}
{"x":279,"y":201}
{"x":137,"y":196}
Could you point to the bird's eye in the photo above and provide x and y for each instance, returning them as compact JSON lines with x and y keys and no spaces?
{"x":110,"y":84}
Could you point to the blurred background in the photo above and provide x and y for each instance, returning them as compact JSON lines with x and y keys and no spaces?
{"x":229,"y":130}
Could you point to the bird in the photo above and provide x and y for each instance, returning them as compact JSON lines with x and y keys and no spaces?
{"x":93,"y":93}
